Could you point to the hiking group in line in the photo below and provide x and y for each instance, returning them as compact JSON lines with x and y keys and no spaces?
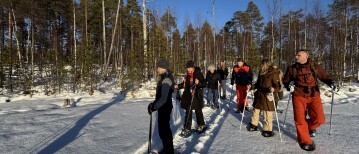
{"x":300,"y":79}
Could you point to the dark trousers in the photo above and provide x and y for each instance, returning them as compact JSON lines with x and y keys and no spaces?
{"x":164,"y":129}
{"x":199,"y":117}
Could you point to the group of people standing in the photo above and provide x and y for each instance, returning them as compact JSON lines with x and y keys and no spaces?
{"x":300,"y":79}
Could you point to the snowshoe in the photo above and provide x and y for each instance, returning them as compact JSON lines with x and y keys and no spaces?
{"x":279,"y":111}
{"x":201,"y":129}
{"x":267,"y":133}
{"x":307,"y":147}
{"x":185,"y":133}
{"x":248,"y":109}
{"x":252,"y":127}
{"x":313,"y":133}
{"x":214,"y":107}
{"x":238,"y":111}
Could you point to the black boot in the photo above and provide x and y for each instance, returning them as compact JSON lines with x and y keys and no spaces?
{"x":307,"y":147}
{"x":252,"y":128}
{"x":267,"y":133}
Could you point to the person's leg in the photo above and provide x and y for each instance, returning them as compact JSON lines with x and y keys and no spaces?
{"x":238,"y":91}
{"x":188,"y":119}
{"x":255,"y":117}
{"x":215,"y":99}
{"x":299,"y":109}
{"x":243,"y":95}
{"x":268,"y":120}
{"x":315,"y":112}
{"x":200,"y":118}
{"x":164,"y":129}
{"x":223,"y":85}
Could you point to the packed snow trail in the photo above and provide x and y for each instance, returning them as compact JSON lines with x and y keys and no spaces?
{"x":108,"y":123}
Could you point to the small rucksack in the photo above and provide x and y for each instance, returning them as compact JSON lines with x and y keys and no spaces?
{"x":312,"y":68}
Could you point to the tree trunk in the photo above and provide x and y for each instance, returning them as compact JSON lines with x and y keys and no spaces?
{"x":144,"y":26}
{"x":113,"y":38}
{"x":104,"y":36}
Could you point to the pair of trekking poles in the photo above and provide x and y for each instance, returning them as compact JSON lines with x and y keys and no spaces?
{"x":275,"y":110}
{"x":331,"y":109}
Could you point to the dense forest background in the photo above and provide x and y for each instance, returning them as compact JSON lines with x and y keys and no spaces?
{"x":77,"y":45}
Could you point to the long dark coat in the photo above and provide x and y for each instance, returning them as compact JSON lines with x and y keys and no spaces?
{"x":263,"y":85}
{"x":198,"y":102}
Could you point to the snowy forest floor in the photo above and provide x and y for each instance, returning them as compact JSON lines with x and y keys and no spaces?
{"x":111,"y":123}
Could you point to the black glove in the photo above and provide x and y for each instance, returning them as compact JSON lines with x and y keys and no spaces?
{"x":232,"y":83}
{"x":333,"y":85}
{"x":151,"y":108}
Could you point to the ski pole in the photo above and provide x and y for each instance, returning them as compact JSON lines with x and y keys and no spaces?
{"x":331,"y":111}
{"x":218,"y":99}
{"x":286,"y":111}
{"x":190,"y":106}
{"x":276,"y":115}
{"x":149,"y":150}
{"x":244,"y":107}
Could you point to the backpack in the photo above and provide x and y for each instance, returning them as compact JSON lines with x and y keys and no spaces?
{"x":312,"y":68}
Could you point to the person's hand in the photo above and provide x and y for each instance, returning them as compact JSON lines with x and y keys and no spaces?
{"x":196,"y":81}
{"x":176,"y":86}
{"x":291,"y":89}
{"x":333,"y":85}
{"x":271,"y":89}
{"x":248,"y":86}
{"x":151,"y":108}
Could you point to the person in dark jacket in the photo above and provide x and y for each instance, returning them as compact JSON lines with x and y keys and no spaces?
{"x":241,"y":76}
{"x":223,"y":72}
{"x":213,"y":78}
{"x":267,"y":83}
{"x":306,"y":97}
{"x":192,"y":98}
{"x":163,"y":103}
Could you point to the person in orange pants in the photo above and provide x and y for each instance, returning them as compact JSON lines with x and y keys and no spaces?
{"x":242,"y":76}
{"x":301,"y":79}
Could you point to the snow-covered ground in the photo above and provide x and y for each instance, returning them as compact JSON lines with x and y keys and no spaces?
{"x":112,"y":123}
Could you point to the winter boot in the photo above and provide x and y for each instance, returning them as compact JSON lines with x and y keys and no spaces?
{"x":267,"y":133}
{"x":313,"y":133}
{"x":252,"y":128}
{"x":185,"y":133}
{"x":201,"y":129}
{"x":307,"y":147}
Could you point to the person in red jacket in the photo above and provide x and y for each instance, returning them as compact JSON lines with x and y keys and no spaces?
{"x":241,"y":76}
{"x":303,"y":76}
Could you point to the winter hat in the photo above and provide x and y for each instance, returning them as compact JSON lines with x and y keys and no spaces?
{"x":163,"y":63}
{"x":189,"y":64}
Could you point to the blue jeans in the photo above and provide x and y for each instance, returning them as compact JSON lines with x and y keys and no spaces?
{"x":212,"y":94}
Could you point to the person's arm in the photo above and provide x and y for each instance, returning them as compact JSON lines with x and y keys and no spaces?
{"x":323,"y":76}
{"x":202,"y":81}
{"x":276,"y":82}
{"x":287,"y":77}
{"x":181,"y":85}
{"x":233,"y":77}
{"x":250,"y":76}
{"x":166,"y":85}
{"x":225,"y":72}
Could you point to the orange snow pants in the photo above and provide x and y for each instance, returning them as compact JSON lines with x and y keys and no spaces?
{"x":241,"y":96}
{"x":303,"y":106}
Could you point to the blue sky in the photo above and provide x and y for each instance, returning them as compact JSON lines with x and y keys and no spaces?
{"x":224,"y":9}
